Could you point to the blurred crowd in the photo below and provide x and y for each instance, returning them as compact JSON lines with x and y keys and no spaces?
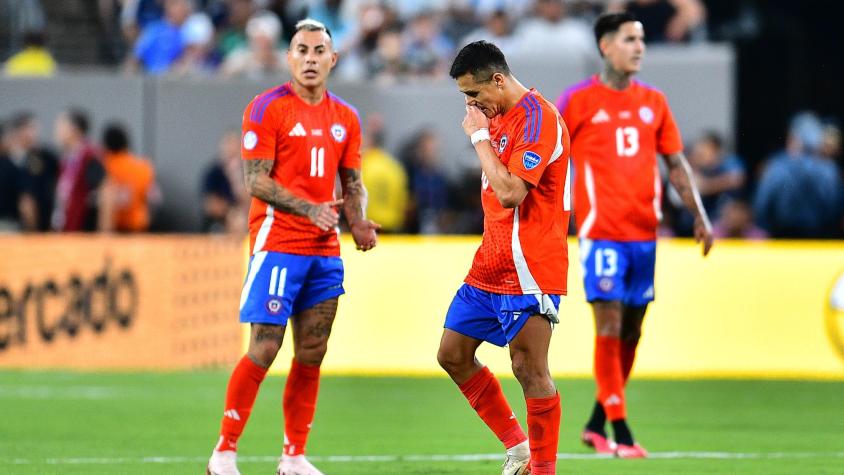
{"x":380,"y":40}
{"x":83,"y":185}
{"x":100,"y":184}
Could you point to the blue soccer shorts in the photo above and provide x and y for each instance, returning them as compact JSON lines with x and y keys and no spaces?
{"x":614,"y":270}
{"x":279,"y":285}
{"x":496,"y":318}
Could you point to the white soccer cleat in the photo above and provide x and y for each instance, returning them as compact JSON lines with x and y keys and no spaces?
{"x":518,"y":460}
{"x":296,"y":465}
{"x":222,"y":463}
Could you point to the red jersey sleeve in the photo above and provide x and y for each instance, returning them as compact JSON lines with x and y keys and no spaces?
{"x":668,"y":138}
{"x":351,"y":154}
{"x":538,"y":144}
{"x":258,"y":131}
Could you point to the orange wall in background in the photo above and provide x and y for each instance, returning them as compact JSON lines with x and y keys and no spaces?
{"x":119,"y":302}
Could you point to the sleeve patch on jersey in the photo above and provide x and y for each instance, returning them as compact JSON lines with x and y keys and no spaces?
{"x":646,"y":114}
{"x":531,"y":160}
{"x":250,"y":140}
{"x":338,"y":132}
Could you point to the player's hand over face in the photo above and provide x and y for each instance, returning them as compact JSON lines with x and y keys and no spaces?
{"x":365,"y":234}
{"x":703,"y":233}
{"x":324,"y":216}
{"x":474,"y":120}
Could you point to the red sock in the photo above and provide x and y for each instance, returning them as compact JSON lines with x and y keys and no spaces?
{"x":300,"y":397}
{"x":609,"y":377}
{"x":543,"y":415}
{"x":628,"y":355}
{"x":240,"y":396}
{"x":485,"y":396}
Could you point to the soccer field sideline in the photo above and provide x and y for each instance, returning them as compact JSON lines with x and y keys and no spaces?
{"x":414,"y":458}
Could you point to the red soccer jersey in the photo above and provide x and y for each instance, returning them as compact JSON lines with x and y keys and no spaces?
{"x":524,"y":249}
{"x":615,"y":136}
{"x":308,"y":144}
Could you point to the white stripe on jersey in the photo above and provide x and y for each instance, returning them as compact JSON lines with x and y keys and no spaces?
{"x":657,"y":194}
{"x":264,"y":230}
{"x":526,"y":280}
{"x":593,"y":205}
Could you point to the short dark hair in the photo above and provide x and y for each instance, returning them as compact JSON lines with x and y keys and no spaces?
{"x":20,"y":120}
{"x":79,"y":119}
{"x":115,"y":137}
{"x":34,"y":38}
{"x":610,"y":23}
{"x":482,"y":59}
{"x":309,"y":24}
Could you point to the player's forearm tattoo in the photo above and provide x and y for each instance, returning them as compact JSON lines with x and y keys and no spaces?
{"x":354,"y":194}
{"x":261,"y":186}
{"x":680,"y":176}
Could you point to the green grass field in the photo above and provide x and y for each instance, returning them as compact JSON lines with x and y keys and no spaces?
{"x":57,"y":422}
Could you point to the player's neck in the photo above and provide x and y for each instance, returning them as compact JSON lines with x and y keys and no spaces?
{"x":514,"y":93}
{"x":615,"y":79}
{"x":312,"y":96}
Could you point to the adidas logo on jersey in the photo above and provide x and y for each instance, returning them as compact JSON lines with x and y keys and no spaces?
{"x":298,"y":131}
{"x":600,"y":116}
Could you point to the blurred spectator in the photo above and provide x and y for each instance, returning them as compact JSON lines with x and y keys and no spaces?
{"x":552,"y":31}
{"x":719,"y":175}
{"x":799,"y":194}
{"x":39,"y":168}
{"x":736,"y":222}
{"x":671,"y":21}
{"x":384,"y":178}
{"x":428,"y":183}
{"x":232,"y":35}
{"x":365,"y":55}
{"x":426,"y":48}
{"x":82,"y":174}
{"x":10,"y":178}
{"x":262,"y":59}
{"x":161,"y":42}
{"x":497,"y":29}
{"x":17,"y":17}
{"x":33,"y":60}
{"x":136,"y":15}
{"x":387,"y":64}
{"x":129,"y":188}
{"x":197,"y":59}
{"x":329,"y":13}
{"x":224,"y":195}
{"x":461,"y":18}
{"x":831,"y":144}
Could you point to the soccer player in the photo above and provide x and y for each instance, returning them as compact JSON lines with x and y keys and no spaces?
{"x":513,"y":290}
{"x":617,"y":127}
{"x":295,"y":139}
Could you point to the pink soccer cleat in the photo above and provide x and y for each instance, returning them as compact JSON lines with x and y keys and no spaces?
{"x":601,"y":444}
{"x":634,"y":451}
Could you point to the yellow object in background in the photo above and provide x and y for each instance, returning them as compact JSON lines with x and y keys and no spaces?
{"x":755,"y":309}
{"x":31,"y":61}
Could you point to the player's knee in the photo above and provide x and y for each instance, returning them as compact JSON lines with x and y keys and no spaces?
{"x":451,"y":360}
{"x":264,"y":353}
{"x":527,"y":370}
{"x":311,"y":352}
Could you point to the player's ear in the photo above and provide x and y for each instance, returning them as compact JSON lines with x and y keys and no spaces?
{"x":498,"y":79}
{"x":333,"y":58}
{"x":604,"y":44}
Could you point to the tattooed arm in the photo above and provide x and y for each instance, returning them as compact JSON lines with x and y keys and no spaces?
{"x":680,"y":176}
{"x":261,"y":186}
{"x":354,"y":199}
